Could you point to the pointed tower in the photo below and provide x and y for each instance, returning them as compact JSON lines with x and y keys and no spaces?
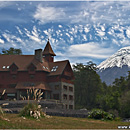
{"x":48,"y":53}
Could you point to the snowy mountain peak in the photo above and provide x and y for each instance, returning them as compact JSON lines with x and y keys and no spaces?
{"x":120,"y":58}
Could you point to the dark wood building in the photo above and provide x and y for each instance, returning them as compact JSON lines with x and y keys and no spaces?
{"x":18,"y":73}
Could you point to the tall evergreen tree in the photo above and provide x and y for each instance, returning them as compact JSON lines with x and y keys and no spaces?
{"x":87,"y":85}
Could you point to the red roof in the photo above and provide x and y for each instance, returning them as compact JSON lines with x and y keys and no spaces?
{"x":57,"y":68}
{"x":48,"y":50}
{"x":23,"y":61}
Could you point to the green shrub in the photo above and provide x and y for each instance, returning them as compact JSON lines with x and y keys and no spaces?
{"x":32,"y":110}
{"x":117,"y":119}
{"x":100,"y":114}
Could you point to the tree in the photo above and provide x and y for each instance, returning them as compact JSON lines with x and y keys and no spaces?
{"x":125,"y":105}
{"x":11,"y":51}
{"x":87,"y":85}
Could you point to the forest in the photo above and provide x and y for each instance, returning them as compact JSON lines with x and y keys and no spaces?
{"x":91,"y":93}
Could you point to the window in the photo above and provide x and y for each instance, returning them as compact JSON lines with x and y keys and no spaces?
{"x":3,"y":67}
{"x":14,"y":69}
{"x":12,"y":85}
{"x":70,"y":97}
{"x":66,"y":106}
{"x":48,"y":95}
{"x":65,"y":87}
{"x":14,"y":76}
{"x":32,"y":69}
{"x":71,"y":89}
{"x":54,"y":68}
{"x":56,"y":96}
{"x":57,"y":87}
{"x":11,"y":94}
{"x":70,"y":106}
{"x":65,"y":96}
{"x":32,"y":76}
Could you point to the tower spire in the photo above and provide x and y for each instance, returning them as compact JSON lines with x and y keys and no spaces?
{"x":48,"y":53}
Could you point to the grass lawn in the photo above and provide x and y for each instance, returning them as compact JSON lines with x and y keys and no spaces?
{"x":54,"y":122}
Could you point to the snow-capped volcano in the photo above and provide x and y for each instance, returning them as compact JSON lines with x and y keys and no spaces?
{"x":115,"y":66}
{"x":119,"y":59}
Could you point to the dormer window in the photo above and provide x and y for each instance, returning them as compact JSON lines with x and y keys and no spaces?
{"x":31,"y":68}
{"x":13,"y":68}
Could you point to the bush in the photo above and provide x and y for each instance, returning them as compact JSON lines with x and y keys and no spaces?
{"x":100,"y":114}
{"x":32,"y":110}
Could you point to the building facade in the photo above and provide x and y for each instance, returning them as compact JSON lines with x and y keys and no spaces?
{"x":18,"y":73}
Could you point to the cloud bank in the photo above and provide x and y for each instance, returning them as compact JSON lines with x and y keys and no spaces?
{"x":48,"y":14}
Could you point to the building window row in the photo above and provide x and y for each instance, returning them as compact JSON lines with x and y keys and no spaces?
{"x":70,"y":106}
{"x":65,"y":97}
{"x":68,"y":87}
{"x":56,"y":96}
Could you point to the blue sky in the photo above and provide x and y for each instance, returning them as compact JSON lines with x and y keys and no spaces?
{"x":80,"y":31}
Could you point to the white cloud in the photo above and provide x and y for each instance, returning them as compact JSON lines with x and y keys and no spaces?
{"x":48,"y":14}
{"x":20,"y":32}
{"x":13,"y":39}
{"x":34,"y":36}
{"x":103,"y":12}
{"x":60,"y":26}
{"x":100,"y":33}
{"x":5,"y":4}
{"x":128,"y":32}
{"x":93,"y":50}
{"x":2,"y":41}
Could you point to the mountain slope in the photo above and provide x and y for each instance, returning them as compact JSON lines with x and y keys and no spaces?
{"x":115,"y":66}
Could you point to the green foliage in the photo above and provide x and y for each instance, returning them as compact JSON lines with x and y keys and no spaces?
{"x":125,"y":105}
{"x":100,"y":114}
{"x":87,"y":85}
{"x":11,"y":51}
{"x":109,"y":99}
{"x":91,"y":93}
{"x":32,"y":110}
{"x":117,"y":119}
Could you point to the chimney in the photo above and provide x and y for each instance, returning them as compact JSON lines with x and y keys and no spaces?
{"x":38,"y":55}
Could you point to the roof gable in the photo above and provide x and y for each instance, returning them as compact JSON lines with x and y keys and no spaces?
{"x":31,"y":65}
{"x":13,"y":65}
{"x":57,"y":68}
